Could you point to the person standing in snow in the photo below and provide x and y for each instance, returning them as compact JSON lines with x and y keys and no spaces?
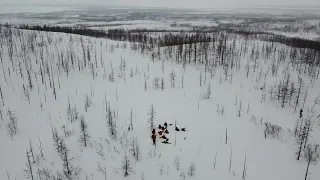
{"x":154,"y":136}
{"x":301,"y":111}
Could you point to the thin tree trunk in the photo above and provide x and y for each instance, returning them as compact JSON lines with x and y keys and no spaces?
{"x":305,"y":177}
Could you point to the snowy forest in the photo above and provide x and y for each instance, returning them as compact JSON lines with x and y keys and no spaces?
{"x":136,"y":100}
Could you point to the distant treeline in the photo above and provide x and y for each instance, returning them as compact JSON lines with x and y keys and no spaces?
{"x":289,"y":41}
{"x":170,"y":38}
{"x":69,"y":30}
{"x":295,"y":42}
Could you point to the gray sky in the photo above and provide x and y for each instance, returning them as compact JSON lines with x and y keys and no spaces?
{"x":169,"y":3}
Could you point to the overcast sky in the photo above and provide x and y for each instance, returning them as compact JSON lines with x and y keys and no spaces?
{"x":168,"y":3}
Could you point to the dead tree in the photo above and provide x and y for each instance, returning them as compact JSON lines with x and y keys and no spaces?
{"x":182,"y":81}
{"x":12,"y":126}
{"x":173,"y":79}
{"x":28,"y":170}
{"x":177,"y":162}
{"x":316,"y":101}
{"x":87,"y":103}
{"x":208,"y":94}
{"x":230,"y":161}
{"x":102,"y":170}
{"x":84,"y":135}
{"x":151,"y":120}
{"x":240,"y":108}
{"x":300,"y":141}
{"x":311,"y":154}
{"x":126,"y":166}
{"x":137,"y":151}
{"x":145,"y":84}
{"x":31,"y":151}
{"x":192,"y":169}
{"x":40,"y":146}
{"x":161,"y":170}
{"x":58,"y":141}
{"x":131,"y":119}
{"x":69,"y":170}
{"x":112,"y":126}
{"x":226,"y":135}
{"x":1,"y":115}
{"x":244,"y":172}
{"x":162,"y":84}
{"x":1,"y":95}
{"x":308,"y":129}
{"x":215,"y":161}
{"x":298,"y":93}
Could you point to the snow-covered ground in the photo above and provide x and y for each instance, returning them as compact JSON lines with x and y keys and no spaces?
{"x":236,"y":108}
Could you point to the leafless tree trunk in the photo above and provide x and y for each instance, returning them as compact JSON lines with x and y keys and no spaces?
{"x":29,"y":171}
{"x":230,"y":161}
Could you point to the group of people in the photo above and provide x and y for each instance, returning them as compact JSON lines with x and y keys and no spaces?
{"x":162,"y":130}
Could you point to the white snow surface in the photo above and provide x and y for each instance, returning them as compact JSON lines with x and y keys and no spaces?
{"x":206,"y":126}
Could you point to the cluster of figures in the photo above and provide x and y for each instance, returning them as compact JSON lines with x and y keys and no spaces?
{"x":162,"y":131}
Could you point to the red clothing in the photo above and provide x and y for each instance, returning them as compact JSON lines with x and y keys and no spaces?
{"x":154,"y":136}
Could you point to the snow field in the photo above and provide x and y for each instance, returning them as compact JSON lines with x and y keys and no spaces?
{"x":205,"y":125}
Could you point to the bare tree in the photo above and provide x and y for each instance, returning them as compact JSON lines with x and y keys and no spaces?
{"x":135,"y":148}
{"x":244,"y":172}
{"x":112,"y":126}
{"x":156,"y":84}
{"x":308,"y":129}
{"x":161,"y":170}
{"x":305,"y":98}
{"x":173,"y":79}
{"x":40,"y":146}
{"x":300,"y":141}
{"x":208,"y":94}
{"x":103,"y":170}
{"x":299,"y":90}
{"x":58,"y":141}
{"x":240,"y":108}
{"x":311,"y":154}
{"x":272,"y":130}
{"x":182,"y":81}
{"x":215,"y":161}
{"x":111,"y":75}
{"x":145,"y":84}
{"x":138,"y":151}
{"x":84,"y":135}
{"x":151,"y":120}
{"x":12,"y":126}
{"x":1,"y":95}
{"x":69,"y":170}
{"x":177,"y":162}
{"x":183,"y":176}
{"x":192,"y":169}
{"x":28,"y":171}
{"x":162,"y":84}
{"x":230,"y":161}
{"x":1,"y":115}
{"x":31,"y":151}
{"x":126,"y":166}
{"x":316,"y":101}
{"x":131,"y":119}
{"x":87,"y":102}
{"x":226,"y":135}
